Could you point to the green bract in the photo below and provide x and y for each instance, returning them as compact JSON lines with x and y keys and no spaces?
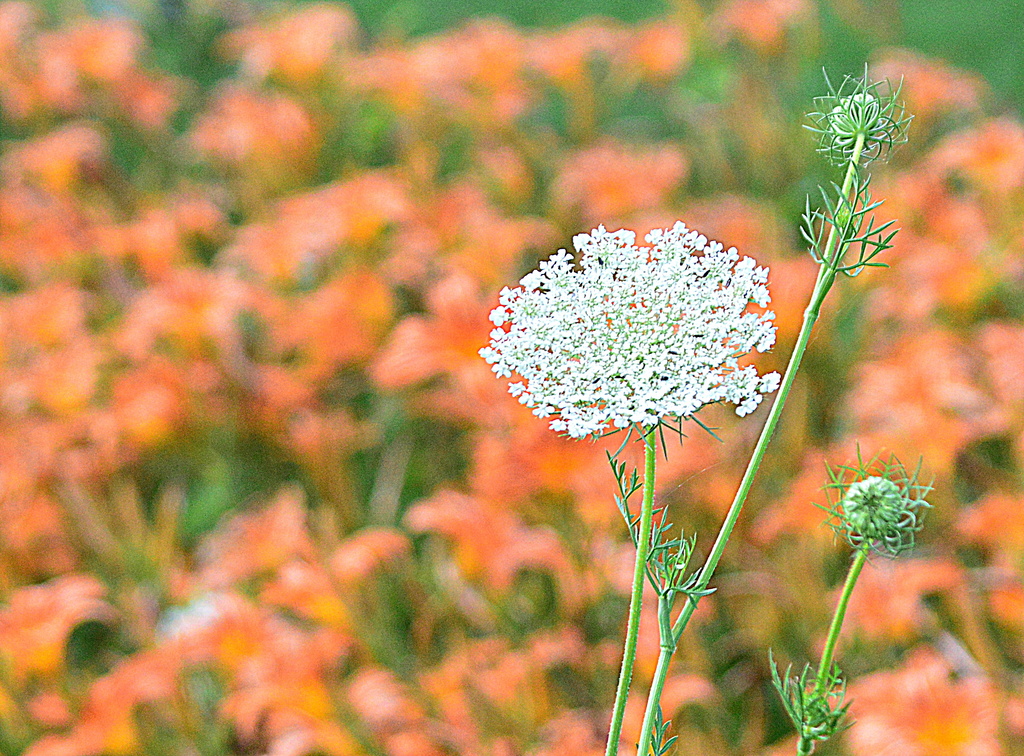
{"x":859,"y":111}
{"x":878,"y":505}
{"x":815,"y":704}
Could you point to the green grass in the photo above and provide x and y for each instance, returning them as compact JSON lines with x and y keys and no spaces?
{"x":430,"y":16}
{"x":987,"y":37}
{"x":984,"y":37}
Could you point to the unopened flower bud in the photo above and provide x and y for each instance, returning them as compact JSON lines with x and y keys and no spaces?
{"x":843,"y":215}
{"x":861,"y":121}
{"x":877,"y":506}
{"x":873,"y":506}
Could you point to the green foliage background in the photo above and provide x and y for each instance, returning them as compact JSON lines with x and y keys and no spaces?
{"x":985,"y":37}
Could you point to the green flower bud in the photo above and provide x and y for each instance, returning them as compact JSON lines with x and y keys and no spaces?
{"x":816,"y":707}
{"x":873,"y":507}
{"x":859,"y":112}
{"x":843,"y":215}
{"x":877,"y":505}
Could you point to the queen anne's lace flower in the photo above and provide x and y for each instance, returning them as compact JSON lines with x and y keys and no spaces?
{"x":635,"y":334}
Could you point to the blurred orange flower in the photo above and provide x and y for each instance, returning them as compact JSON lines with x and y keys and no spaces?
{"x":339,"y":324}
{"x":997,"y":522}
{"x":479,"y":70}
{"x":107,"y":724}
{"x":297,"y":48}
{"x":1006,"y":600}
{"x":50,"y":710}
{"x":921,"y":400}
{"x":149,"y":403}
{"x":919,"y":710}
{"x":65,"y":382}
{"x":931,"y":87}
{"x":102,"y":50}
{"x":151,"y":101}
{"x":246,"y":129}
{"x":466,"y":234}
{"x":566,"y":56}
{"x":490,"y":544}
{"x":192,"y":312}
{"x":1003,"y":346}
{"x":392,"y":714}
{"x":42,"y":234}
{"x":763,"y":24}
{"x":36,"y":623}
{"x":445,"y":340}
{"x":57,"y":162}
{"x":366,"y":551}
{"x":258,"y":543}
{"x":33,"y":535}
{"x":48,"y":316}
{"x":395,"y":74}
{"x":279,"y":687}
{"x":887,"y":603}
{"x":609,"y":181}
{"x":571,"y":734}
{"x":992,"y":156}
{"x":660,"y":50}
{"x":17,"y":21}
{"x":309,"y":230}
{"x":307,"y":590}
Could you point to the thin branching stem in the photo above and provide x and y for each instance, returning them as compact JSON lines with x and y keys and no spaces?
{"x":830,"y":262}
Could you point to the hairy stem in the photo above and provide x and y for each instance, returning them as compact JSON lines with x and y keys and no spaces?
{"x":636,"y":597}
{"x":668,"y":648}
{"x":826,"y":276}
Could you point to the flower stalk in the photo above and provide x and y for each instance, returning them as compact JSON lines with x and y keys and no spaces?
{"x":826,"y":277}
{"x":818,"y":710}
{"x":643,"y":543}
{"x":877,"y":511}
{"x":840,"y":614}
{"x":855,"y":128}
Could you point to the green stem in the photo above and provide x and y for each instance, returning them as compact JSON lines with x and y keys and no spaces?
{"x":837,"y":619}
{"x":660,"y":675}
{"x":805,"y":746}
{"x":636,"y":597}
{"x":826,"y":277}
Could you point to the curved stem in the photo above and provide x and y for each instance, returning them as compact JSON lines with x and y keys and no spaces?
{"x":636,"y":597}
{"x":826,"y":277}
{"x":837,"y":618}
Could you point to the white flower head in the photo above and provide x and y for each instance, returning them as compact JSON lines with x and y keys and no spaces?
{"x":634,"y":334}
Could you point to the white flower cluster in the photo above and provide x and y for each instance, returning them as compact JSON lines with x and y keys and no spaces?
{"x":636,"y":333}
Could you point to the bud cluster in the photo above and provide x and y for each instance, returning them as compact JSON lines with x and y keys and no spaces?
{"x":857,"y":123}
{"x":815,"y":705}
{"x":877,"y":505}
{"x":863,"y":111}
